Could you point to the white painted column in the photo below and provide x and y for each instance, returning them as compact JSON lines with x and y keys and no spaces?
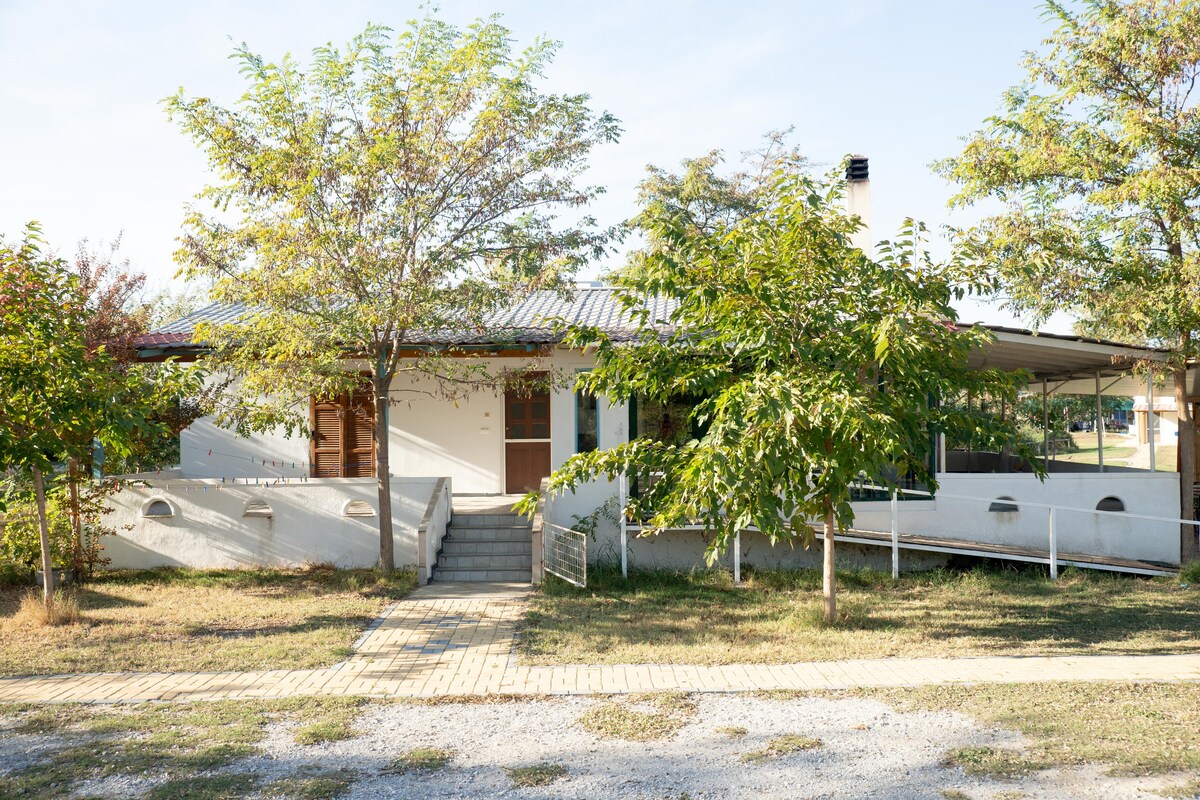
{"x":622,"y":484}
{"x":895,"y":536}
{"x":1150,"y":416}
{"x":1053,"y":547}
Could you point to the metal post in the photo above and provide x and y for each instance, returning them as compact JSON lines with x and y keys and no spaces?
{"x":624,"y":529}
{"x":1045,"y":429}
{"x":1150,"y":415}
{"x":1053,"y":547}
{"x":895,"y":537}
{"x":941,"y":453}
{"x":1099,"y":426}
{"x":737,"y":558}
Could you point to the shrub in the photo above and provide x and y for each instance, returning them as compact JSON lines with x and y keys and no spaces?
{"x":63,"y":609}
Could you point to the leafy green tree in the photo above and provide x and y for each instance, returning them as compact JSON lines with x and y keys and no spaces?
{"x":404,"y":186}
{"x":57,"y":388}
{"x":1094,"y":157}
{"x":814,"y":363}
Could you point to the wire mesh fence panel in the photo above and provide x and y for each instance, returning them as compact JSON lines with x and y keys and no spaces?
{"x":566,"y":554}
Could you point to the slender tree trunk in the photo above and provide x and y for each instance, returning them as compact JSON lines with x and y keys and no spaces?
{"x":829,"y":575}
{"x":39,"y":493}
{"x":1187,"y":460}
{"x":76,"y":516}
{"x":387,"y":555}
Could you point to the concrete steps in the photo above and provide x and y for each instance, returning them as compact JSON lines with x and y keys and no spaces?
{"x":486,"y":547}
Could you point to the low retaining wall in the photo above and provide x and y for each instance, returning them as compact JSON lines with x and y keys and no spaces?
{"x":1152,"y":494}
{"x":208,"y":526}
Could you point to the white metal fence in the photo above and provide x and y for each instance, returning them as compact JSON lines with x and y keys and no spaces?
{"x":565,"y":553}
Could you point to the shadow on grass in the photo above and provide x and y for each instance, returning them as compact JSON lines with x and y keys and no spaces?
{"x":776,"y":616}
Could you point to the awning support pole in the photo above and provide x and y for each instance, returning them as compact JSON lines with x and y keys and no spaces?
{"x":1099,"y":426}
{"x":1150,"y":415}
{"x":1045,"y":428}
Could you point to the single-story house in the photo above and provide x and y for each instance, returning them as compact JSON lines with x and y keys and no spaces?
{"x":270,"y":499}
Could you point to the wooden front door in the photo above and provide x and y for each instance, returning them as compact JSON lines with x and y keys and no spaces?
{"x":526,"y":438}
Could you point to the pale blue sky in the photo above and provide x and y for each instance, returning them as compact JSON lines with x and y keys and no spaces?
{"x":86,"y":149}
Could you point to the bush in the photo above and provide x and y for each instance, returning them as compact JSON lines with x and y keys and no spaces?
{"x":20,"y":540}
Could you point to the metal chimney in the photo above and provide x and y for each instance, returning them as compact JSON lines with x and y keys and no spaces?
{"x":858,"y":200}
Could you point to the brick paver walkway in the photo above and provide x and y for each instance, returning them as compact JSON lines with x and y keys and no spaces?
{"x":453,"y":639}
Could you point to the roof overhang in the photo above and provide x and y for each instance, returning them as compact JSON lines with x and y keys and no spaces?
{"x":1068,"y":364}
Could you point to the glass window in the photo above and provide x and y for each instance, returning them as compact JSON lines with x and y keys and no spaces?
{"x":587,"y":422}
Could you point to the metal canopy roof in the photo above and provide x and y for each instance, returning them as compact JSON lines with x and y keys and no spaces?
{"x":1067,"y":364}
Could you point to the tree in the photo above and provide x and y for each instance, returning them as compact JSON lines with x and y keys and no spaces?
{"x":813,"y":366}
{"x":1094,"y":158}
{"x":57,"y":388}
{"x":399,"y":187}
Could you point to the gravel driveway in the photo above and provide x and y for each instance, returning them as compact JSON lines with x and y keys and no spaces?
{"x":868,"y":751}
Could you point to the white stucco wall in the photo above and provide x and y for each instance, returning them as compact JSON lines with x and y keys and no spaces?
{"x":1153,"y":494}
{"x":208,"y":529}
{"x":432,"y":437}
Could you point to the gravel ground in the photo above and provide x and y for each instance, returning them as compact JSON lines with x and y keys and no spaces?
{"x":869,"y":751}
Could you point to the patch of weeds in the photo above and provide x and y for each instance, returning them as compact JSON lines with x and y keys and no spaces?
{"x":421,"y":759}
{"x":732,"y":731}
{"x":1010,"y":795}
{"x":329,"y":720}
{"x":176,"y":741}
{"x":782,"y":746}
{"x":991,"y":762}
{"x":955,"y":794}
{"x":312,"y":785}
{"x":536,"y":775}
{"x":1184,"y":791}
{"x":207,"y":787}
{"x":617,"y":719}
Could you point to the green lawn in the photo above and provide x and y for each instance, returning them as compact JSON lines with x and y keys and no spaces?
{"x":216,"y":620}
{"x":775,"y":617}
{"x":1117,"y":450}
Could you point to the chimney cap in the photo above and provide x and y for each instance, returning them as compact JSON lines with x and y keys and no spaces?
{"x":856,"y":169}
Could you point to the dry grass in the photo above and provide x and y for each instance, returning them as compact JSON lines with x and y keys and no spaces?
{"x":640,"y":717}
{"x":164,"y":620}
{"x":781,"y":746}
{"x":732,"y":731}
{"x":32,"y":612}
{"x":421,"y":759}
{"x":192,"y":744}
{"x":537,"y":775}
{"x":1131,"y":728}
{"x":774,"y":617}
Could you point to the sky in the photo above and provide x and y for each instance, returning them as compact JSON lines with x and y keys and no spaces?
{"x":86,"y":149}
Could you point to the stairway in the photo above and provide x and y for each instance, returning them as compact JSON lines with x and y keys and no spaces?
{"x":486,"y":547}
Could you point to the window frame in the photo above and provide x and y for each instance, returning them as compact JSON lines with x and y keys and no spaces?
{"x":576,"y":394}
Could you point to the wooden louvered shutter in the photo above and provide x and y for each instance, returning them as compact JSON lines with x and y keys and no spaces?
{"x":359,"y":452}
{"x":326,"y":438}
{"x":343,"y":436}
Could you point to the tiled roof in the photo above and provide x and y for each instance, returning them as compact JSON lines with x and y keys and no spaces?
{"x":530,"y":321}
